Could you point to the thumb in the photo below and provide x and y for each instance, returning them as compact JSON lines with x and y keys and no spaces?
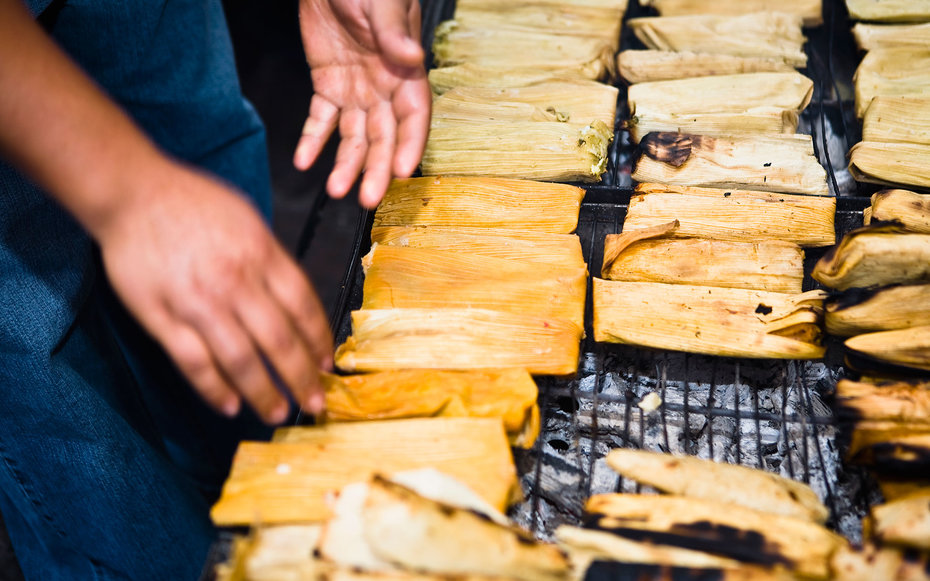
{"x":395,"y":26}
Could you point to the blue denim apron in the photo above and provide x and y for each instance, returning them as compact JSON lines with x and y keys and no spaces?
{"x":108,"y":461}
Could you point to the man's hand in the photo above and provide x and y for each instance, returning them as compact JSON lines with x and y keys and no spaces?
{"x":368,"y":77}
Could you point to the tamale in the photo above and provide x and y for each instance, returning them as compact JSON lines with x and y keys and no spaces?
{"x":480,"y":202}
{"x":891,"y":72}
{"x":285,"y":482}
{"x":902,"y":452}
{"x":872,"y":36}
{"x":905,"y":521}
{"x":523,"y":245}
{"x":276,"y":553}
{"x":906,"y":348}
{"x":889,"y":10}
{"x":760,"y":121}
{"x":865,"y":311}
{"x":760,"y":34}
{"x":891,"y":163}
{"x":606,"y":5}
{"x":875,"y":255}
{"x":509,"y":394}
{"x":650,"y":255}
{"x":442,"y":79}
{"x":872,"y":562}
{"x":554,"y":19}
{"x":738,"y":215}
{"x":724,"y":529}
{"x":711,"y":320}
{"x":608,"y":570}
{"x":538,"y":150}
{"x":458,"y":339}
{"x":640,"y":66}
{"x":695,"y":477}
{"x":893,"y":401}
{"x":894,"y":487}
{"x":809,"y":10}
{"x":423,"y":278}
{"x":784,"y":163}
{"x":909,"y":209}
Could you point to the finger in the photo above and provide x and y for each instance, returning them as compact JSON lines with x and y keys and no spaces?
{"x":319,"y":126}
{"x":351,"y":153}
{"x":391,"y":27}
{"x":412,"y":110}
{"x":382,"y":134}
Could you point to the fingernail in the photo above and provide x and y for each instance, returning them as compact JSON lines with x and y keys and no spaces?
{"x":278,"y":414}
{"x":315,"y":403}
{"x":230,"y":407}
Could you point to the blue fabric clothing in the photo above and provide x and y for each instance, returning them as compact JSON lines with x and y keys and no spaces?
{"x":108,"y":460}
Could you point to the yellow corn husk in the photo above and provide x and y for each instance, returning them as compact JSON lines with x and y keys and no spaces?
{"x":893,"y":488}
{"x":890,"y":163}
{"x":509,"y":394}
{"x":694,"y":477}
{"x":711,"y":320}
{"x":649,"y":255}
{"x":640,"y":66}
{"x":443,"y":79}
{"x":872,"y":562}
{"x":738,"y":215}
{"x":809,"y":10}
{"x":889,"y":10}
{"x":773,"y":35}
{"x":891,"y":72}
{"x":539,"y":150}
{"x":286,"y":481}
{"x":459,"y":339}
{"x":876,"y":255}
{"x":784,"y":163}
{"x":891,"y":447}
{"x":604,"y":5}
{"x":890,"y":401}
{"x":905,"y":348}
{"x":872,"y":36}
{"x":456,"y":43}
{"x":884,"y":309}
{"x":802,"y":546}
{"x":481,"y":202}
{"x":903,"y":522}
{"x":909,"y":209}
{"x":423,"y":278}
{"x":760,"y":121}
{"x":553,"y":19}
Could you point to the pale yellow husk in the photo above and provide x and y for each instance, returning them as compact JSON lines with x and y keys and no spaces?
{"x":903,"y":402}
{"x":809,"y":10}
{"x":481,"y":202}
{"x":891,"y":72}
{"x":897,"y":307}
{"x":875,"y":256}
{"x":554,"y":19}
{"x":738,"y":215}
{"x":611,"y":5}
{"x":773,"y":35}
{"x":908,"y":348}
{"x":898,"y":119}
{"x":872,"y":36}
{"x":891,"y":163}
{"x":711,"y":320}
{"x":758,"y":121}
{"x":443,"y":79}
{"x":458,"y":339}
{"x":640,"y":66}
{"x":873,"y":562}
{"x":889,"y":10}
{"x":903,"y":522}
{"x":910,"y":209}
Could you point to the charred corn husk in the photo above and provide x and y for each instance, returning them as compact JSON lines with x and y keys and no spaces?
{"x":891,"y":163}
{"x":809,"y":10}
{"x":866,"y":311}
{"x":759,"y":121}
{"x":712,"y":320}
{"x":650,"y":255}
{"x":909,"y":209}
{"x":523,"y":245}
{"x":554,"y":19}
{"x":738,"y":215}
{"x":871,"y":36}
{"x":285,"y":481}
{"x":773,"y":35}
{"x":458,"y":339}
{"x":767,"y":163}
{"x":900,"y":451}
{"x":876,"y":255}
{"x":423,"y":278}
{"x":891,"y":72}
{"x":903,"y":522}
{"x":889,"y":10}
{"x":443,"y":79}
{"x":509,"y":394}
{"x":893,"y":487}
{"x":539,"y":150}
{"x":892,"y":401}
{"x":898,"y":119}
{"x":694,"y":477}
{"x":724,"y":529}
{"x":481,"y":202}
{"x":902,"y":348}
{"x":640,"y":66}
{"x":610,"y":569}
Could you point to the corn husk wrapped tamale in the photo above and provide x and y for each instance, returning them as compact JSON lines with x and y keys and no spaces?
{"x":577,"y":103}
{"x":898,"y":449}
{"x":711,"y":320}
{"x":900,"y":348}
{"x":872,"y":562}
{"x":783,"y":163}
{"x":809,"y":10}
{"x":640,"y":66}
{"x":866,"y":311}
{"x":875,"y":255}
{"x":650,"y":255}
{"x":894,"y":487}
{"x":903,"y":522}
{"x":423,"y":278}
{"x":458,"y":339}
{"x":739,"y":215}
{"x":613,"y":6}
{"x":891,"y":72}
{"x":891,"y":163}
{"x":898,"y":119}
{"x":773,"y":35}
{"x":442,"y":79}
{"x":610,"y":570}
{"x":285,"y":481}
{"x":523,"y":245}
{"x":872,"y":36}
{"x":481,"y":202}
{"x":553,"y":19}
{"x":694,"y":477}
{"x":890,"y":401}
{"x":720,"y":528}
{"x":509,"y":394}
{"x":759,"y":121}
{"x":889,"y":10}
{"x":538,"y":150}
{"x":909,"y":209}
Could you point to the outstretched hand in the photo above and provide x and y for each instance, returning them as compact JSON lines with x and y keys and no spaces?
{"x":368,"y":77}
